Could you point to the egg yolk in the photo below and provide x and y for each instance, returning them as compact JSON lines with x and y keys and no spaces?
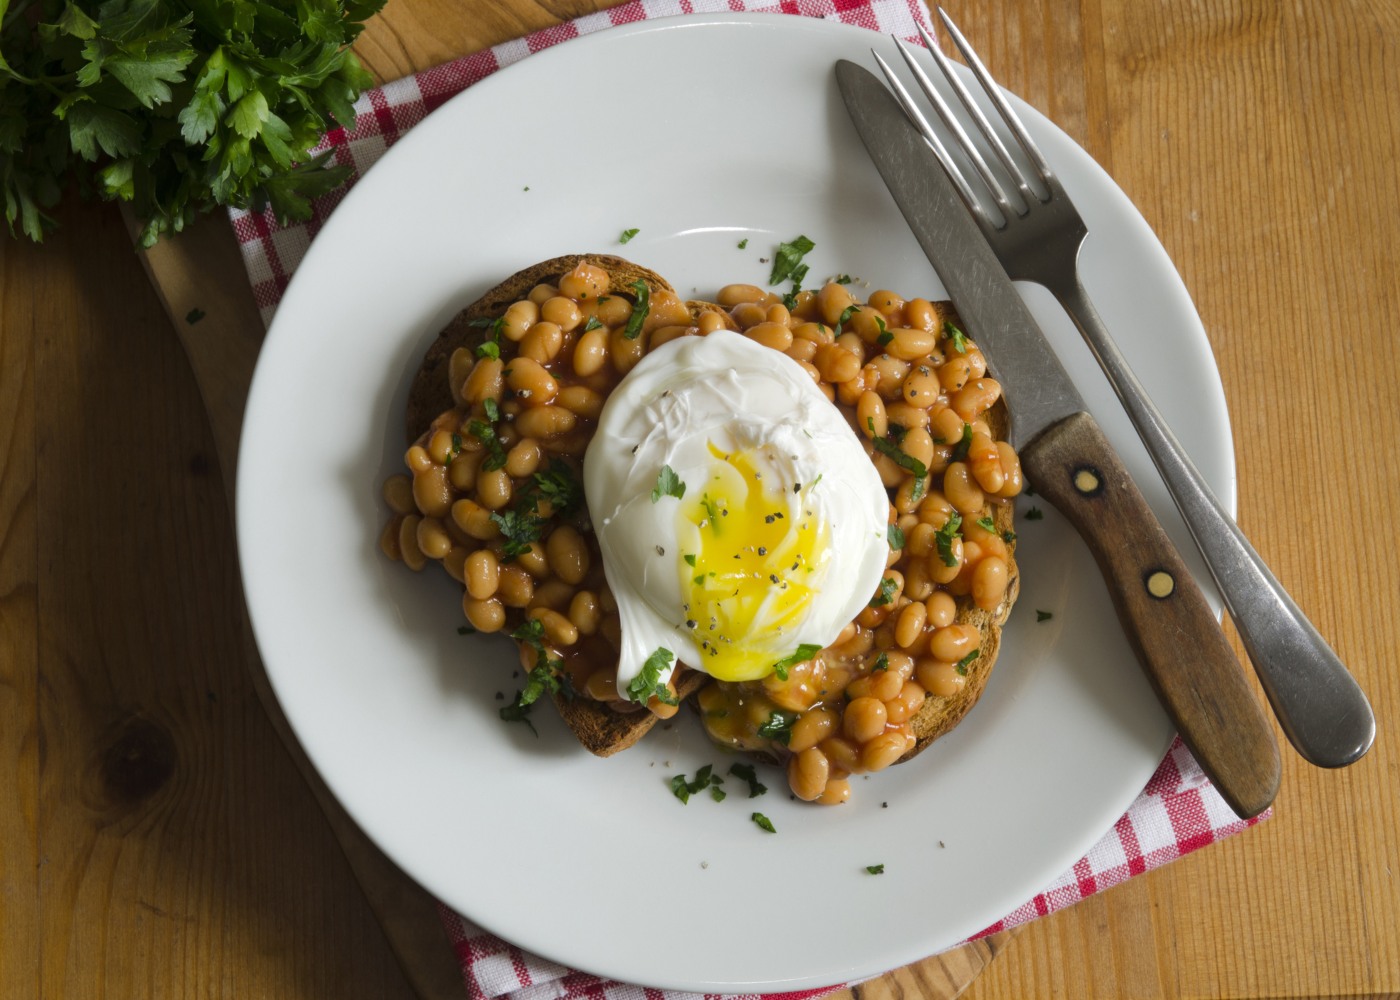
{"x":758,"y":565}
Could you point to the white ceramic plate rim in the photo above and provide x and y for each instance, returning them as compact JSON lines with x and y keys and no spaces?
{"x":590,"y":862}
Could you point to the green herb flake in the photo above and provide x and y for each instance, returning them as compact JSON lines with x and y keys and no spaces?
{"x":683,"y":788}
{"x":885,"y":594}
{"x":895,"y":536}
{"x":648,"y":683}
{"x":778,"y":728}
{"x":1043,"y":616}
{"x":875,"y":869}
{"x":789,"y":258}
{"x":689,"y":559}
{"x":882,"y":663}
{"x":805,"y":651}
{"x":627,"y":235}
{"x":943,"y":538}
{"x":763,"y":822}
{"x":962,"y":665}
{"x":747,"y":774}
{"x":593,"y":324}
{"x":963,"y":446}
{"x":194,"y":316}
{"x":668,"y":484}
{"x":744,"y":243}
{"x":958,"y":338}
{"x":987,"y":525}
{"x":1035,"y":514}
{"x":639,"y":310}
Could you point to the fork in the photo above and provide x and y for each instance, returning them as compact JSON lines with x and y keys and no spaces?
{"x":1038,"y":238}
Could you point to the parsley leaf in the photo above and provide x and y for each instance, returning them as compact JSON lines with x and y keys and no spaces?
{"x":958,"y":338}
{"x":875,"y":869}
{"x":648,"y":683}
{"x":1035,"y":514}
{"x":944,"y":536}
{"x":763,"y":822}
{"x":789,"y":258}
{"x":747,"y":774}
{"x":627,"y":235}
{"x":895,"y":536}
{"x":963,"y":446}
{"x":892,"y":451}
{"x":1043,"y":616}
{"x":639,"y":311}
{"x":668,"y":484}
{"x":704,"y":778}
{"x":544,"y":677}
{"x":885,"y":594}
{"x":778,"y":728}
{"x":805,"y":651}
{"x":962,"y":665}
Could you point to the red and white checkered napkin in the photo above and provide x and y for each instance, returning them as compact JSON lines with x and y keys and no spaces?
{"x":1178,"y":812}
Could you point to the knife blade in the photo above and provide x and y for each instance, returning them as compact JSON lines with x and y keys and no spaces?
{"x":1175,"y":635}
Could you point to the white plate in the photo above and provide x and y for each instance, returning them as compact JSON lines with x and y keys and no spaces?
{"x":701,"y":132}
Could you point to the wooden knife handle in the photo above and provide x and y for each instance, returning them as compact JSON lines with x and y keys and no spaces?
{"x":1177,"y":638}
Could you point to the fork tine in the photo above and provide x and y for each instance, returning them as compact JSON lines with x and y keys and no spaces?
{"x":911,"y":109}
{"x":993,"y":92}
{"x":955,"y":126}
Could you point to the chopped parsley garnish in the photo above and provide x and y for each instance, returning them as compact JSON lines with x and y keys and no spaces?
{"x":488,"y":349}
{"x":958,"y":338}
{"x":895,"y":535}
{"x":884,"y":337}
{"x":520,"y":527}
{"x":892,"y":451}
{"x":882,"y":662}
{"x":492,"y":410}
{"x":1034,"y":514}
{"x":689,"y":559}
{"x":846,"y":314}
{"x":639,"y":311}
{"x":495,"y":452}
{"x":594,"y":323}
{"x":543,"y":678}
{"x":962,"y":665}
{"x":704,"y":778}
{"x":964,"y":444}
{"x":195,"y":315}
{"x":627,"y":235}
{"x":465,"y":630}
{"x":747,"y":774}
{"x":648,"y":683}
{"x":885,"y":594}
{"x":559,"y":486}
{"x":1008,"y":536}
{"x":944,"y":537}
{"x":987,"y":524}
{"x":763,"y":822}
{"x":711,"y":511}
{"x":668,"y":484}
{"x":1043,"y":616}
{"x":743,"y":244}
{"x":843,"y":279}
{"x":789,"y":258}
{"x":778,"y":728}
{"x":805,"y":651}
{"x":875,"y":869}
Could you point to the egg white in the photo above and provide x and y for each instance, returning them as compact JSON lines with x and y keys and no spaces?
{"x":690,"y":405}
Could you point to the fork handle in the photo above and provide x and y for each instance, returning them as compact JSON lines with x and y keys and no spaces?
{"x":1320,"y":707}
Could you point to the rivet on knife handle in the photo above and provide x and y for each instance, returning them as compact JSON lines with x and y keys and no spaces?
{"x":1171,"y":626}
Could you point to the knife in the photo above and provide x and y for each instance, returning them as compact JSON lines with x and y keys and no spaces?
{"x":1177,"y":638}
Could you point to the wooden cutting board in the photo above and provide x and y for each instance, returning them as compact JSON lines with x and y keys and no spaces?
{"x":201,"y":274}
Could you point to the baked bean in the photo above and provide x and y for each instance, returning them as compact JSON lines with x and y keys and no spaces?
{"x":518,"y":319}
{"x":811,"y":728}
{"x":842,"y":754}
{"x":838,"y":790}
{"x":881,"y":751}
{"x":552,"y":594}
{"x":962,"y":490}
{"x":432,"y":538}
{"x":515,"y":586}
{"x":801,"y":350}
{"x":778,"y":336}
{"x":906,"y":416}
{"x":909,"y":344}
{"x":417,"y":459}
{"x":817,"y":333}
{"x":462,"y":472}
{"x":808,"y":772}
{"x":863,"y":720}
{"x":398,"y":494}
{"x":432,"y":493}
{"x":568,"y":555}
{"x":881,"y":685}
{"x":989,"y":581}
{"x":732,"y":295}
{"x":984,"y":461}
{"x":954,"y":642}
{"x":485,"y":616}
{"x":562,"y":311}
{"x":977,"y":360}
{"x":454,"y":562}
{"x":582,"y":401}
{"x":474,"y":519}
{"x":530,"y":382}
{"x":585,"y":612}
{"x":586,"y":281}
{"x":1011,"y":466}
{"x":557,"y":628}
{"x":975,"y":398}
{"x":534,"y":561}
{"x":906,"y":704}
{"x":493,"y":489}
{"x":939,"y":678}
{"x":542,"y":342}
{"x":832,"y":302}
{"x":485,"y":381}
{"x":459,"y":366}
{"x":546,"y":422}
{"x":910,"y":624}
{"x":941,"y":609}
{"x":625,"y":352}
{"x":921,"y":315}
{"x":954,"y":373}
{"x":836,"y":364}
{"x":921,"y":387}
{"x":709,"y":321}
{"x":523,"y":458}
{"x":602,"y":685}
{"x":667,"y":707}
{"x":542,"y":293}
{"x":591,"y":351}
{"x":866,"y":323}
{"x":482,"y":572}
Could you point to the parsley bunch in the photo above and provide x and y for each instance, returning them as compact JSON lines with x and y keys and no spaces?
{"x":175,"y":106}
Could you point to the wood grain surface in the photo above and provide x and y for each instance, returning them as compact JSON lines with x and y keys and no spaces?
{"x":156,"y":836}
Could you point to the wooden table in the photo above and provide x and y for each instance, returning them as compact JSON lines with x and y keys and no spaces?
{"x":156,"y":838}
